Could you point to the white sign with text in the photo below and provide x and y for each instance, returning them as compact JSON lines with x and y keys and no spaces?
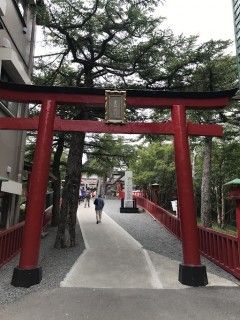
{"x":128,"y":199}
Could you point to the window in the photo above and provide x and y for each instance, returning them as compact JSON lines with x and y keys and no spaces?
{"x":4,"y":208}
{"x":11,"y":106}
{"x":21,"y":6}
{"x":5,"y":77}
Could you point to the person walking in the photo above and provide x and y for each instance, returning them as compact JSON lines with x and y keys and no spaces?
{"x":99,"y":204}
{"x":87,"y":198}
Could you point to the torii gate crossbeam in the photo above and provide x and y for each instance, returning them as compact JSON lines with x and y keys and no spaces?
{"x":191,"y":272}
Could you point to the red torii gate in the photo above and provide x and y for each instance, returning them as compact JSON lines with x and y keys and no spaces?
{"x":191,"y":272}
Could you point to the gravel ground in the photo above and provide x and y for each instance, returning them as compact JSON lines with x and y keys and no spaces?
{"x":55,"y":265}
{"x":154,"y":237}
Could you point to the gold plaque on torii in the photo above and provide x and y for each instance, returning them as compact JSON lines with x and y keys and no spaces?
{"x":115,"y":105}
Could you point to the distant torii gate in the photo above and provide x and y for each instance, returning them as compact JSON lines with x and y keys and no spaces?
{"x":191,"y":272}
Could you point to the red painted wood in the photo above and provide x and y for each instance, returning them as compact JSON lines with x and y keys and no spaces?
{"x":89,"y":100}
{"x":45,"y":126}
{"x":102,"y":127}
{"x":168,"y":102}
{"x":225,"y":256}
{"x":128,"y":128}
{"x":238,"y":217}
{"x":213,"y":130}
{"x":190,"y":240}
{"x":229,"y":253}
{"x":38,"y":187}
{"x":10,"y":242}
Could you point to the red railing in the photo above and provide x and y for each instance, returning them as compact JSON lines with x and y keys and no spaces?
{"x":121,"y":194}
{"x":137,"y":193}
{"x":10,"y":242}
{"x":220,"y":248}
{"x":11,"y":239}
{"x":166,"y":218}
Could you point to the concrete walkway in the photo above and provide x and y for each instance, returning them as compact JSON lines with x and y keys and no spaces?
{"x":112,"y":259}
{"x":117,"y":279}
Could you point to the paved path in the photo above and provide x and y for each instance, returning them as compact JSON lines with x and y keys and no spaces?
{"x":112,"y":259}
{"x":116,"y":278}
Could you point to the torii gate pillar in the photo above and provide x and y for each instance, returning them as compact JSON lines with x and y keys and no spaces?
{"x":28,"y":272}
{"x":191,"y":272}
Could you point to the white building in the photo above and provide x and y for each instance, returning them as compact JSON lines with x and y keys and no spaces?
{"x":236,"y":17}
{"x":17,"y":37}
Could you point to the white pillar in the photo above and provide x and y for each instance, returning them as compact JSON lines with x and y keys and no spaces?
{"x":128,"y":199}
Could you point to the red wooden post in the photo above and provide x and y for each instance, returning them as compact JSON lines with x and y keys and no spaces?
{"x":238,"y":217}
{"x":191,"y":272}
{"x":28,"y":273}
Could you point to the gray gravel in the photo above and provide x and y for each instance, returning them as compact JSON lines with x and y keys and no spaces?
{"x":154,"y":237}
{"x":55,"y":265}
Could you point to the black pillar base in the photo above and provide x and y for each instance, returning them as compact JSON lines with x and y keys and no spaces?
{"x":194,"y":276}
{"x":128,"y":210}
{"x":26,"y":277}
{"x":134,"y":209}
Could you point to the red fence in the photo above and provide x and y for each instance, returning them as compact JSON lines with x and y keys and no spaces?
{"x":10,"y":242}
{"x":222,"y":249}
{"x":11,"y":239}
{"x":167,"y":219}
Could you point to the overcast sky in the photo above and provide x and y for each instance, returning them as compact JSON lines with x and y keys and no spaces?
{"x":210,"y":19}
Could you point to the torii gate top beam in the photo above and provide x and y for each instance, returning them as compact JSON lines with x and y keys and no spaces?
{"x":96,"y":97}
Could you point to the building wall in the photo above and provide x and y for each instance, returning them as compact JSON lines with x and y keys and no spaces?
{"x":236,"y":16}
{"x":17,"y":34}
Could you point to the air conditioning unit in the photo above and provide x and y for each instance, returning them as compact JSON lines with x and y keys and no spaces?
{"x":3,"y":6}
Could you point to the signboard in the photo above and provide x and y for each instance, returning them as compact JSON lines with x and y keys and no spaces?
{"x":115,"y":105}
{"x":128,"y":199}
{"x":174,"y":206}
{"x":11,"y":186}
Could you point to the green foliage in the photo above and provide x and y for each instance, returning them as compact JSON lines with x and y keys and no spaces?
{"x":225,"y":167}
{"x":113,"y":43}
{"x":215,"y":70}
{"x":155,"y":164}
{"x":107,"y":154}
{"x":102,"y":38}
{"x":226,"y":162}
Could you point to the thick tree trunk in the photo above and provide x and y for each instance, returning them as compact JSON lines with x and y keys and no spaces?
{"x":103,"y":186}
{"x":70,"y":192}
{"x":206,"y":217}
{"x":57,"y":182}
